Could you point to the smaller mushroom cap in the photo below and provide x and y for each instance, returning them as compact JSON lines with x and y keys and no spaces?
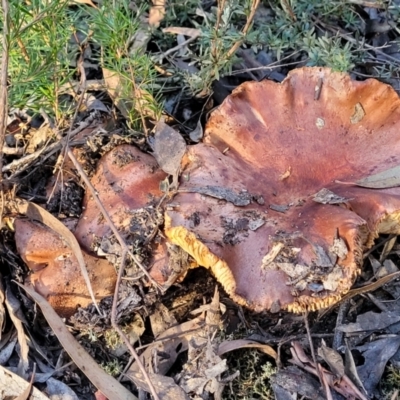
{"x":56,"y":274}
{"x":126,"y":179}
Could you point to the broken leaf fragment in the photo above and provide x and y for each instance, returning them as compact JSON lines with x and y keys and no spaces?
{"x":168,"y":148}
{"x":325,"y":196}
{"x":358,"y":115}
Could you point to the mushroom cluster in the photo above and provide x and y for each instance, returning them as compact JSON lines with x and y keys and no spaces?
{"x":268,"y":200}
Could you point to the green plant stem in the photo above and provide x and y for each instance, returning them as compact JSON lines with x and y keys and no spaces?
{"x":3,"y":81}
{"x":245,"y":29}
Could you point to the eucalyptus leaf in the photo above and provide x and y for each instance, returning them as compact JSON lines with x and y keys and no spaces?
{"x":382,"y":180}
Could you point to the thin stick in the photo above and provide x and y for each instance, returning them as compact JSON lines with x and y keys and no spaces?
{"x":179,"y":46}
{"x":121,"y":333}
{"x":312,"y":351}
{"x":272,"y":66}
{"x":370,"y":4}
{"x":372,"y":249}
{"x":338,"y":336}
{"x":3,"y":80}
{"x":288,"y":9}
{"x":220,"y":10}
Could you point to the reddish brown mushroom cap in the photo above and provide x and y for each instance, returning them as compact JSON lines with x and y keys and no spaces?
{"x":56,"y":274}
{"x":277,"y":145}
{"x":126,"y":179}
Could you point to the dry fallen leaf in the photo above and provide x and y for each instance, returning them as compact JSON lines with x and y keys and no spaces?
{"x":387,"y":248}
{"x":7,"y":344}
{"x":109,"y":386}
{"x":202,"y":373}
{"x":343,"y":386}
{"x":90,"y":103}
{"x":168,"y":148}
{"x":292,"y":383}
{"x":140,"y":40}
{"x":325,"y":196}
{"x":58,"y":390}
{"x":370,"y":321}
{"x":333,"y":359}
{"x":88,"y":2}
{"x":12,"y":385}
{"x":197,"y":133}
{"x":26,"y":393}
{"x":165,"y":386}
{"x":133,"y":331}
{"x":117,"y":91}
{"x":351,"y":369}
{"x":171,"y":342}
{"x":376,"y":355}
{"x":359,"y":114}
{"x":17,"y":318}
{"x":191,"y":32}
{"x":164,"y":351}
{"x":382,"y":180}
{"x":204,"y":368}
{"x":231,"y":345}
{"x":161,"y":320}
{"x":157,"y":13}
{"x":38,"y":138}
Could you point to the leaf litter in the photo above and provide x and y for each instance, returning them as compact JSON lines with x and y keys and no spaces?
{"x":205,"y":375}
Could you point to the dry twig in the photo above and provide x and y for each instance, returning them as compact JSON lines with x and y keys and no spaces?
{"x":328,"y":395}
{"x":124,"y":246}
{"x":220,"y":10}
{"x":369,"y":287}
{"x":3,"y":78}
{"x":121,"y":333}
{"x":338,"y":337}
{"x":3,"y":96}
{"x":371,"y":4}
{"x":245,"y":29}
